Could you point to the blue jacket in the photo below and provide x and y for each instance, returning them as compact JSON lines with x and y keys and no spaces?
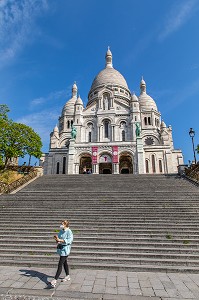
{"x":67,"y":236}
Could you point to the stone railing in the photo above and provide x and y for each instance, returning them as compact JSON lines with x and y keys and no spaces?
{"x":8,"y":188}
{"x":193,"y":172}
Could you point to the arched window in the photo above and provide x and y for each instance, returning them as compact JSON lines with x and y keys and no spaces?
{"x":106,"y":129}
{"x":135,"y":118}
{"x":123,"y":135}
{"x":57,"y":171}
{"x":71,"y":123}
{"x":149,"y":121}
{"x":147,"y":165}
{"x":153,"y":163}
{"x":160,"y":166}
{"x":89,"y":137}
{"x":64,"y":165}
{"x":145,"y":120}
{"x":68,"y":124}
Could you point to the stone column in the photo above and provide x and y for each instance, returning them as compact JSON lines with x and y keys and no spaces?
{"x":98,"y":133}
{"x":112,"y":132}
{"x":140,"y":156}
{"x":71,"y":155}
{"x":95,"y":169}
{"x":116,"y":168}
{"x":76,"y":168}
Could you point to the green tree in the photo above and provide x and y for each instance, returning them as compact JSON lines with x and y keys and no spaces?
{"x":197,"y":149}
{"x":17,"y":140}
{"x":3,"y":112}
{"x":33,"y":144}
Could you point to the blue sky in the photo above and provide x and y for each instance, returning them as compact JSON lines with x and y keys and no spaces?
{"x":46,"y":45}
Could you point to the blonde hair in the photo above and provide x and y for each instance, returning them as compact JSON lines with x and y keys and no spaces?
{"x":65,"y":223}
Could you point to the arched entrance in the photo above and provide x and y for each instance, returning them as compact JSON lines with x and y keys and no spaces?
{"x":85,"y":162}
{"x":105,"y":164}
{"x":125,"y":163}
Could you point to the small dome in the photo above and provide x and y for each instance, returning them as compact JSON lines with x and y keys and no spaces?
{"x":56,"y":129}
{"x":163,"y":125}
{"x":146,"y":102}
{"x":134,"y":98}
{"x":79,"y":101}
{"x":69,"y":107}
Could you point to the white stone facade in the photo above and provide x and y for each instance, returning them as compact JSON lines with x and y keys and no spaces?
{"x":106,"y":139}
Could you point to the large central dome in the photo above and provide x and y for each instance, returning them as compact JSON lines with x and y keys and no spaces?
{"x":109,"y":76}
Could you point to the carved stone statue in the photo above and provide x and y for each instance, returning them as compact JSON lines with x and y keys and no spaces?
{"x":73,"y":132}
{"x":137,"y":130}
{"x":106,"y":103}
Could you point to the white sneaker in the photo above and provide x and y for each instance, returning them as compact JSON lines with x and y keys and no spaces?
{"x":53,"y":283}
{"x":67,"y":278}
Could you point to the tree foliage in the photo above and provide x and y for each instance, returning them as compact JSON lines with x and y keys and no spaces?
{"x":17,"y":140}
{"x":197,"y":149}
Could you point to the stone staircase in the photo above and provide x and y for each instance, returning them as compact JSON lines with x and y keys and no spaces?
{"x":120,"y":222}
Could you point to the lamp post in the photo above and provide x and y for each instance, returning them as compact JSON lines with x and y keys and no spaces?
{"x":192,"y":134}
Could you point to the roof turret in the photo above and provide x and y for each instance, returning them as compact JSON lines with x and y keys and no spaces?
{"x":146,"y":102}
{"x":79,"y":101}
{"x":134,"y":98}
{"x":70,"y":105}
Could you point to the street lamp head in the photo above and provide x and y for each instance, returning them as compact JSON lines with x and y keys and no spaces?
{"x":191,"y":132}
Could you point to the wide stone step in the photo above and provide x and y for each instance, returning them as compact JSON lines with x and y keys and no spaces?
{"x":48,"y":230}
{"x":101,"y":232}
{"x":109,"y":259}
{"x":178,"y":244}
{"x":76,"y":225}
{"x":102,"y":266}
{"x":100,"y":239}
{"x":99,"y":254}
{"x":49,"y":246}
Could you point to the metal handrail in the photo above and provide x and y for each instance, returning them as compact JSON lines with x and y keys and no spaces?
{"x":8,"y":188}
{"x":193,"y":172}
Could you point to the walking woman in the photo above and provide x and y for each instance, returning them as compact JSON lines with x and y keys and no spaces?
{"x":64,"y":241}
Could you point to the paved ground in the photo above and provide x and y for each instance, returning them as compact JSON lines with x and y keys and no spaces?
{"x":32,"y":284}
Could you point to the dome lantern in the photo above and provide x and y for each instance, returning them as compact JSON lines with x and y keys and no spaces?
{"x":142,"y":86}
{"x":108,"y":57}
{"x":74,"y":90}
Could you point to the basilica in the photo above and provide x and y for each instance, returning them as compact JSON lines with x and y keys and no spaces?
{"x":117,"y":132}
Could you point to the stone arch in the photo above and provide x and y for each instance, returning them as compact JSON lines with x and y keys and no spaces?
{"x":105,"y":162}
{"x":85,"y":161}
{"x":122,"y":119}
{"x":153,"y":160}
{"x":89,"y":131}
{"x":126,"y":162}
{"x":107,"y":130}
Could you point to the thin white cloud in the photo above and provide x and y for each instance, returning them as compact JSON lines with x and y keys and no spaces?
{"x":17,"y":25}
{"x":52,"y":97}
{"x":180,"y":13}
{"x":43,"y":123}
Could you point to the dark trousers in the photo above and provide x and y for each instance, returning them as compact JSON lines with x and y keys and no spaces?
{"x":62,"y":261}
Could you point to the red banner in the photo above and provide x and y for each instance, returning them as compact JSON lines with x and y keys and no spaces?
{"x":94,"y":155}
{"x":115,"y":154}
